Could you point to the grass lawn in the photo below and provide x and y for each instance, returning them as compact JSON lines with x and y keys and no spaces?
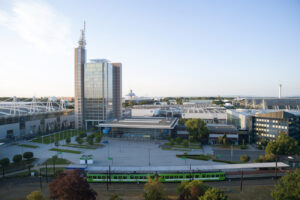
{"x":62,"y":135}
{"x":50,"y":170}
{"x":58,"y":161}
{"x":191,"y":146}
{"x":208,"y":157}
{"x":229,"y":146}
{"x":80,"y":146}
{"x":27,"y":145}
{"x":23,"y":174}
{"x":65,"y":150}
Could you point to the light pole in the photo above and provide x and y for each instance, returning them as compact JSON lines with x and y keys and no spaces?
{"x":149,"y":156}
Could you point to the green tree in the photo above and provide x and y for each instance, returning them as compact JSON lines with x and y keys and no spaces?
{"x":288,"y":187}
{"x":40,"y":131}
{"x":197,"y":129}
{"x":98,"y":139}
{"x":68,"y":140}
{"x":178,"y":140}
{"x":90,"y":141}
{"x":28,"y":155}
{"x":4,"y":162}
{"x":171,"y":141}
{"x":47,"y":129}
{"x":244,"y":158}
{"x":114,"y":197}
{"x":17,"y":158}
{"x":79,"y":140}
{"x":213,"y":194}
{"x":191,"y":190}
{"x":284,"y":145}
{"x":35,"y":195}
{"x":130,"y":103}
{"x":185,"y":143}
{"x":154,"y":190}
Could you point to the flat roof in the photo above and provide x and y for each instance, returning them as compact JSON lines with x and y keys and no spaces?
{"x":185,"y":168}
{"x":142,"y":122}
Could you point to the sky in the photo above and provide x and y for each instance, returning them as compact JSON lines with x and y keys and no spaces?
{"x":166,"y":47}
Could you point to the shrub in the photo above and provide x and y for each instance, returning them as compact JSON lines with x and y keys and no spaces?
{"x":178,"y":140}
{"x":68,"y":140}
{"x":114,"y":197}
{"x":244,"y":158}
{"x":185,"y":143}
{"x":82,"y":135}
{"x":171,"y":141}
{"x":90,"y":141}
{"x":79,"y":140}
{"x":17,"y":158}
{"x":35,"y":195}
{"x":98,"y":139}
{"x":28,"y":155}
{"x":4,"y":162}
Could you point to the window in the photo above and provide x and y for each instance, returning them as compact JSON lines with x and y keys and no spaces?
{"x":141,"y":177}
{"x":115,"y":177}
{"x":197,"y":176}
{"x":120,"y":177}
{"x":103,"y":177}
{"x":203,"y":175}
{"x":131,"y":177}
{"x":124,"y":177}
{"x":94,"y":177}
{"x":180,"y":176}
{"x":167,"y":177}
{"x":171,"y":177}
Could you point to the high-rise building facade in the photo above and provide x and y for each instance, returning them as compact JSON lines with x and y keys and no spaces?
{"x":80,"y":59}
{"x":98,"y":89}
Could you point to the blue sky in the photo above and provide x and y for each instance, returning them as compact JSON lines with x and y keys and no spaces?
{"x":167,"y":47}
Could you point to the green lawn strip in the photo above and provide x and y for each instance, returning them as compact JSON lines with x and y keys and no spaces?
{"x":65,"y":150}
{"x":50,"y":170}
{"x":196,"y":157}
{"x":22,"y":174}
{"x":79,"y":146}
{"x":58,"y":161}
{"x":27,"y":145}
{"x":230,"y":146}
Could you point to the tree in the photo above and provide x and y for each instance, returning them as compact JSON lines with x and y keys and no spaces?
{"x":40,"y":131}
{"x":98,"y":139}
{"x":197,"y":128}
{"x":79,"y":140}
{"x":4,"y":162}
{"x":35,"y":195}
{"x":90,"y":141}
{"x":185,"y":143}
{"x":244,"y":158}
{"x":224,"y":139}
{"x":171,"y":141}
{"x":131,"y":103}
{"x":178,"y":140}
{"x":17,"y":158}
{"x":28,"y":155}
{"x":47,"y":128}
{"x":191,"y":190}
{"x":114,"y":197}
{"x":68,"y":140}
{"x":71,"y":185}
{"x":154,"y":190}
{"x":213,"y":194}
{"x":288,"y":187}
{"x":284,"y":145}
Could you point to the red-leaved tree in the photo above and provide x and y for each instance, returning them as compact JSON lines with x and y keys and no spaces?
{"x":71,"y":185}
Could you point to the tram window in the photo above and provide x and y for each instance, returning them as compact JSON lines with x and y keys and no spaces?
{"x":131,"y":177}
{"x":203,"y":175}
{"x":180,"y":176}
{"x":120,"y":177}
{"x":175,"y":176}
{"x":136,"y":177}
{"x":197,"y":176}
{"x":167,"y":177}
{"x":145,"y":177}
{"x":217,"y":175}
{"x":124,"y":177}
{"x":208,"y":175}
{"x":115,"y":177}
{"x":141,"y":177}
{"x":188,"y":176}
{"x":103,"y":177}
{"x":94,"y":177}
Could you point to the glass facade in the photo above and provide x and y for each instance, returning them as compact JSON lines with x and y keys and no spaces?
{"x":98,"y":92}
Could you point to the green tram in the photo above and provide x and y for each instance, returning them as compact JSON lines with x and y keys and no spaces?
{"x":163,"y":177}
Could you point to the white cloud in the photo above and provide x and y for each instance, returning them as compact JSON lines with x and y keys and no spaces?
{"x":39,"y":24}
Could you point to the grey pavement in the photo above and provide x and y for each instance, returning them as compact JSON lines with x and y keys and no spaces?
{"x":122,"y":152}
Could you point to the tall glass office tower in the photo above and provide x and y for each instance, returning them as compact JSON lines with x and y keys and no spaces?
{"x":80,"y":56}
{"x":98,"y":89}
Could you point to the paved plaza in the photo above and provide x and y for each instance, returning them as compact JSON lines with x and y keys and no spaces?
{"x":122,"y":152}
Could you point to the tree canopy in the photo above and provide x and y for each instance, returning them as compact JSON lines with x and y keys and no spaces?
{"x":35,"y":195}
{"x":71,"y":185}
{"x":191,"y":190}
{"x":154,"y":190}
{"x":284,"y":145}
{"x":197,"y":129}
{"x":288,"y":187}
{"x":213,"y":194}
